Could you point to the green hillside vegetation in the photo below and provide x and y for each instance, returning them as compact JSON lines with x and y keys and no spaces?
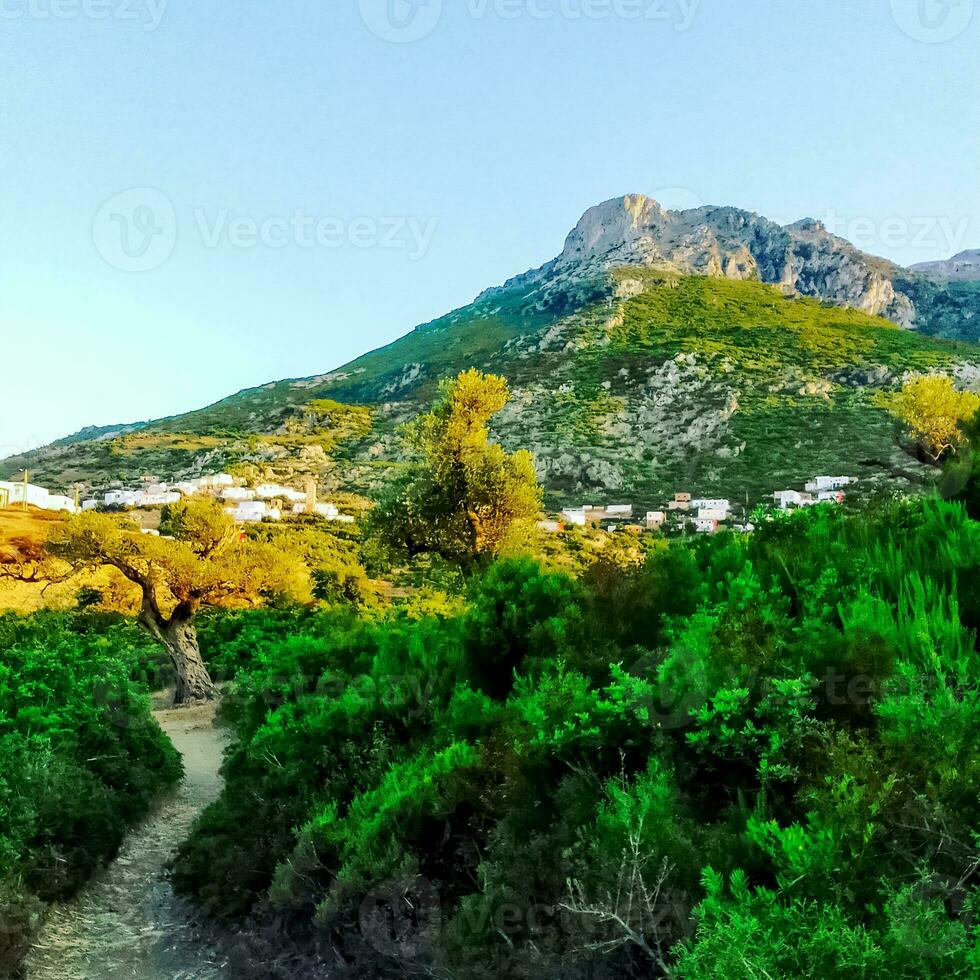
{"x":580,"y":756}
{"x":742,"y":757}
{"x":659,"y":383}
{"x":81,"y":760}
{"x":946,"y":308}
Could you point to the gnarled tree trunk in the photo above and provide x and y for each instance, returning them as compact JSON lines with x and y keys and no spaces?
{"x":193,"y":680}
{"x":178,"y":634}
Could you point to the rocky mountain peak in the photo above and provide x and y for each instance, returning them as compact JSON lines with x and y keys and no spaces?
{"x":729,"y":242}
{"x":964,"y":266}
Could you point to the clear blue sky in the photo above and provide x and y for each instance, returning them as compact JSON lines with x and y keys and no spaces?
{"x":469,"y":153}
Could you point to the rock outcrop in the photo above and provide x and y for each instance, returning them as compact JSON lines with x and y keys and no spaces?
{"x":964,"y":267}
{"x":803,"y":258}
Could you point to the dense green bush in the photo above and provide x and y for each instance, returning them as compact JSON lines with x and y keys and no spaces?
{"x":80,"y":759}
{"x":744,"y":756}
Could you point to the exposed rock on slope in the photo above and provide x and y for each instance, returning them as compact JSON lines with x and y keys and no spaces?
{"x":964,"y":267}
{"x":708,"y":349}
{"x":719,"y":241}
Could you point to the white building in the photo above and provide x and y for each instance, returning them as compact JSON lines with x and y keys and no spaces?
{"x":574,"y":516}
{"x":237,"y":493}
{"x":17,"y":493}
{"x":330,"y":512}
{"x":141,"y":498}
{"x":619,"y":510}
{"x":819,"y":483}
{"x":711,"y":503}
{"x":712,"y":508}
{"x":830,"y":497}
{"x":121,"y":498}
{"x":247,"y":511}
{"x":159,"y":499}
{"x":216,"y":480}
{"x":788,"y":498}
{"x":706,"y":527}
{"x":273,"y":491}
{"x":656,"y":518}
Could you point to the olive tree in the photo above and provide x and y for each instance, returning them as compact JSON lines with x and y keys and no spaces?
{"x":203,"y":560}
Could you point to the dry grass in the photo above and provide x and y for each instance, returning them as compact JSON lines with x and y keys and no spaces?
{"x":31,"y":524}
{"x":34,"y":526}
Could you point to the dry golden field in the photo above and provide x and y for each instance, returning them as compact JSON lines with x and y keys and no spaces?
{"x":33,"y":525}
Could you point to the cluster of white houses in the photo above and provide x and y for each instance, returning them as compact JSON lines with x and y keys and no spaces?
{"x":704,"y":514}
{"x":820,"y":490}
{"x":267,"y":501}
{"x":270,"y":501}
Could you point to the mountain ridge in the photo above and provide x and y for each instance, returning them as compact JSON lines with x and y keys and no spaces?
{"x":964,"y":266}
{"x":598,"y":346}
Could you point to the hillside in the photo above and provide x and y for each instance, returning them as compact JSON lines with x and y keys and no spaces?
{"x":660,"y":351}
{"x":964,"y":266}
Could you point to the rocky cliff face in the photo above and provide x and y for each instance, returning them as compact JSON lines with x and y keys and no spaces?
{"x":964,"y":267}
{"x":802,"y":258}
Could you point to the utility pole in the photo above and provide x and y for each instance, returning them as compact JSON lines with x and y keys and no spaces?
{"x":25,"y":489}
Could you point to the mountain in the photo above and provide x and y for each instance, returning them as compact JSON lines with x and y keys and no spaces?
{"x":964,"y":267}
{"x":708,"y":350}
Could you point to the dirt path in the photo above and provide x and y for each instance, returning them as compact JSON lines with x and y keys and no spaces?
{"x":127,"y":923}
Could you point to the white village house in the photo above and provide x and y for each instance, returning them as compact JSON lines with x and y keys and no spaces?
{"x":819,"y":490}
{"x":591,"y":514}
{"x":823,"y":483}
{"x":156,"y":496}
{"x":248,"y":511}
{"x":16,"y":493}
{"x":237,"y":493}
{"x":712,"y":509}
{"x":273,"y":491}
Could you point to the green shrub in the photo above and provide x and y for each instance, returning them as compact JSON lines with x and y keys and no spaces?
{"x":80,"y":759}
{"x":735,"y":756}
